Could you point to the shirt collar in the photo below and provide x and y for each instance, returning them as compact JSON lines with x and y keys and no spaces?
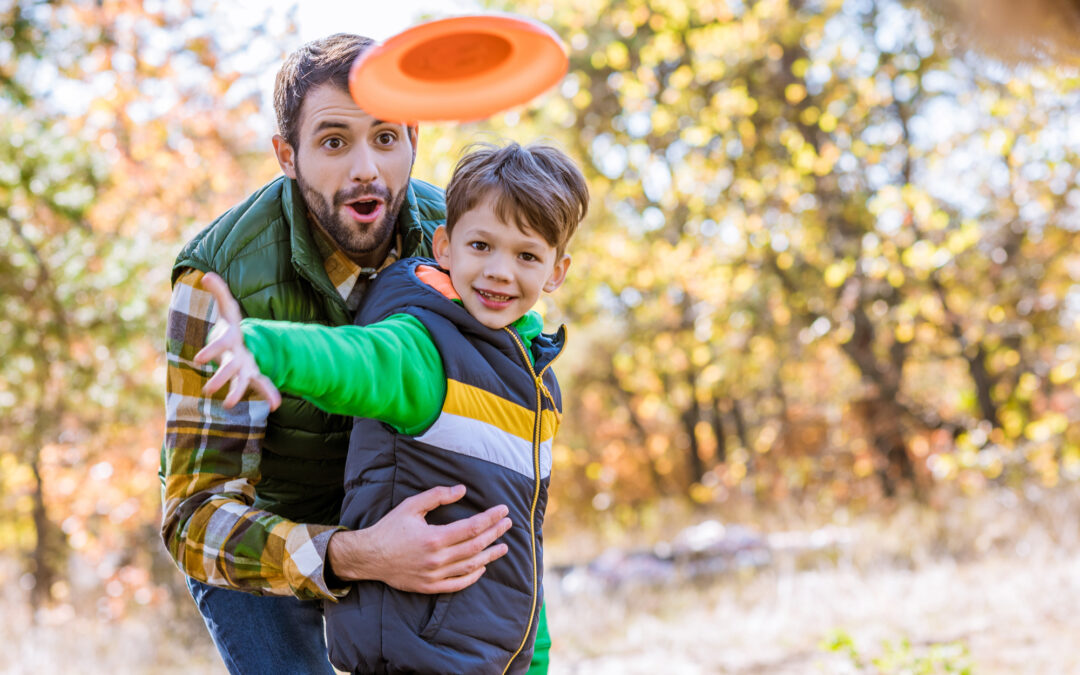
{"x":341,"y":270}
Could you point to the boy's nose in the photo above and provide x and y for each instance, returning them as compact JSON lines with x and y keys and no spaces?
{"x":498,"y":267}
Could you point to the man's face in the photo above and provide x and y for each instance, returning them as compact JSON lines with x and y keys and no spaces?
{"x":497,"y":269}
{"x":353,"y":171}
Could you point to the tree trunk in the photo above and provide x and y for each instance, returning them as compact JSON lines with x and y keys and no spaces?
{"x":881,"y":414}
{"x":44,"y":557}
{"x":720,"y":432}
{"x":690,"y":417}
{"x":643,"y":434}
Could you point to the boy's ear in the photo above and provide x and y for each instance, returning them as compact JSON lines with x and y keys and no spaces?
{"x":558,"y":275}
{"x":286,"y":156}
{"x":440,"y":246}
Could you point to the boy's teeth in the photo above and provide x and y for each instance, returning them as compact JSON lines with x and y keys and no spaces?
{"x":495,"y":296}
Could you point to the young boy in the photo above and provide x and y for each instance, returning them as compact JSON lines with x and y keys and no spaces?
{"x":448,"y":375}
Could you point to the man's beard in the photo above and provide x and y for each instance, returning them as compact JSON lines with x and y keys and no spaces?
{"x":355,"y":239}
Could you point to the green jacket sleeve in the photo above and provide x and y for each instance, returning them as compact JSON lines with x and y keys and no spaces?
{"x":390,"y":371}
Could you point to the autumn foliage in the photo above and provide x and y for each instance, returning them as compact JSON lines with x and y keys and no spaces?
{"x":830,"y":259}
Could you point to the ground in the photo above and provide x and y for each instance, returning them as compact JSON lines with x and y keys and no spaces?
{"x":990,"y":583}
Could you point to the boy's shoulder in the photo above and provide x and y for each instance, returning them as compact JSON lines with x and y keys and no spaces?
{"x":407,"y":284}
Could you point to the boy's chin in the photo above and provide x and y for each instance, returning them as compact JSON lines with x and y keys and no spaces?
{"x":496,"y":322}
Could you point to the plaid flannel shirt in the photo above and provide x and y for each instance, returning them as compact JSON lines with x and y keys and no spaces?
{"x":211,"y":461}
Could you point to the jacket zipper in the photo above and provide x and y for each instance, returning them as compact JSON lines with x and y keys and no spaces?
{"x":540,"y":390}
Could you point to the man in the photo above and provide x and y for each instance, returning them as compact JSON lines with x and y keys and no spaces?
{"x":251,"y":499}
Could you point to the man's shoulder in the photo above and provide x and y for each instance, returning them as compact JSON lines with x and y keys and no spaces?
{"x":257,"y":222}
{"x":427,"y":193}
{"x":430,"y":200}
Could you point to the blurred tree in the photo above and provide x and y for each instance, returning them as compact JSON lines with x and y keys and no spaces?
{"x":120,"y":127}
{"x":818,"y":236}
{"x":828,"y":255}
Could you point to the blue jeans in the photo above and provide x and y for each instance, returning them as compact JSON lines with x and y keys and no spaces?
{"x":263,"y":635}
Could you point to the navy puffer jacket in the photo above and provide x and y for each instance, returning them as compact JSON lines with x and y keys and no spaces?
{"x":494,"y":435}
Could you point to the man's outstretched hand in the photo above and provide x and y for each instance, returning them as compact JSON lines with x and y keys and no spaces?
{"x":226,"y":348}
{"x":403,"y":551}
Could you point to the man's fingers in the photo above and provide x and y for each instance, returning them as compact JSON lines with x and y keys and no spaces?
{"x":220,"y":377}
{"x":228,"y":308}
{"x":213,"y":351}
{"x":476,"y":550}
{"x":455,"y":584}
{"x":472,"y":563}
{"x":491,"y":523}
{"x":267,"y":390}
{"x":433,"y":498}
{"x":237,"y":388}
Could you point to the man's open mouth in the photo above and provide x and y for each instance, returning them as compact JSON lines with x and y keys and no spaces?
{"x":366,"y":210}
{"x":365,"y":207}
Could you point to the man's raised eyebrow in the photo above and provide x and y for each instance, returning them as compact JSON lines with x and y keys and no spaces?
{"x":330,"y":124}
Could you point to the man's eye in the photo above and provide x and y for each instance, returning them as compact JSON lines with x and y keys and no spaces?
{"x":333,"y":143}
{"x":385,"y":138}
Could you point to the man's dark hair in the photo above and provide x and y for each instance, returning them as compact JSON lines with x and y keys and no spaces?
{"x":534,"y":187}
{"x":317,"y":62}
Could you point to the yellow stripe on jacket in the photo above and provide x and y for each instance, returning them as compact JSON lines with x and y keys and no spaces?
{"x":480,"y":424}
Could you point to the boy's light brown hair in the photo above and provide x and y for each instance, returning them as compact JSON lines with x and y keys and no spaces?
{"x":535,"y":187}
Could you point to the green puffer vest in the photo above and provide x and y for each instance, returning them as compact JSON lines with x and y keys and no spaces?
{"x":264,"y":250}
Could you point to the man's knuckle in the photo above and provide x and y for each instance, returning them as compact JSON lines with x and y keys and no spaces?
{"x":439,"y":559}
{"x":429,"y":545}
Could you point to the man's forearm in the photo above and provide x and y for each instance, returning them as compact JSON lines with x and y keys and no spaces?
{"x":219,"y":539}
{"x":210,"y":467}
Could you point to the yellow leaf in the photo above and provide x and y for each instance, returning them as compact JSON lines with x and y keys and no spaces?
{"x":835,"y":275}
{"x":794,"y":93}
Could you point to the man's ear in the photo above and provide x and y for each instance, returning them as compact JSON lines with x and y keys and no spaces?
{"x":558,"y":275}
{"x":440,"y":246}
{"x":286,"y":156}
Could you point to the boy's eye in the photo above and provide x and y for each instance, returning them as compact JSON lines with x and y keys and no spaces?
{"x":479,"y":245}
{"x":529,"y":257}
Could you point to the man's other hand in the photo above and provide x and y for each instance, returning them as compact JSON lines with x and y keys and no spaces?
{"x":403,"y":551}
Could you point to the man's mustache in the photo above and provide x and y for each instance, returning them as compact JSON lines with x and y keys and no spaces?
{"x":362,"y":192}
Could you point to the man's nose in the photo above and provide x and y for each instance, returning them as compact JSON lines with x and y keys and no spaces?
{"x":364,"y":168}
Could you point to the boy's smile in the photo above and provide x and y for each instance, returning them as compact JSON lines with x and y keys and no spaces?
{"x":496,"y":268}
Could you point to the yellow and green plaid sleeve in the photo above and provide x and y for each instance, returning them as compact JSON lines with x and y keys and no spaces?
{"x":210,"y":465}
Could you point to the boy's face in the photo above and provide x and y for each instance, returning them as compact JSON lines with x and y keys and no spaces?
{"x":497,"y":269}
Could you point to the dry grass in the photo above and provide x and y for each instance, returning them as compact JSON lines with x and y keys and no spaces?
{"x":997,"y":575}
{"x":167,"y":639}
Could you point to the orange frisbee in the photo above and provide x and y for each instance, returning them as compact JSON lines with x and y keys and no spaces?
{"x":457,"y":69}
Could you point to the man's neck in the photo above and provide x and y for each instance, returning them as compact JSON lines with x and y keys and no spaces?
{"x":372,"y":259}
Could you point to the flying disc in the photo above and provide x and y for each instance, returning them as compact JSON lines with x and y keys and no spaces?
{"x":462,"y":68}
